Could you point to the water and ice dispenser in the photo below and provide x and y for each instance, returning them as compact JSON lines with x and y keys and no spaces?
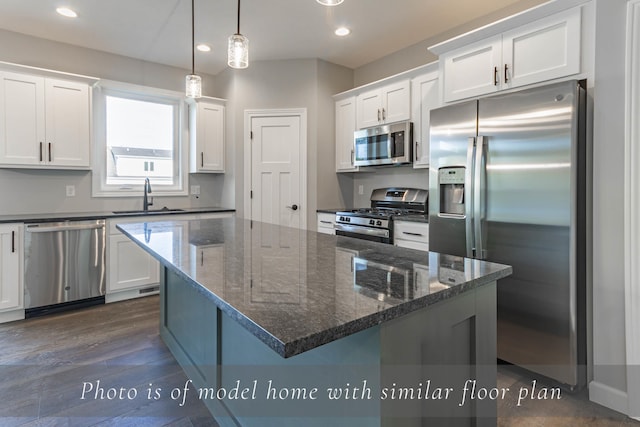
{"x":451,"y":183}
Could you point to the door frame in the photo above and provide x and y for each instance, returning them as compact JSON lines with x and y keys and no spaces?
{"x":249,"y":115}
{"x":632,"y":210}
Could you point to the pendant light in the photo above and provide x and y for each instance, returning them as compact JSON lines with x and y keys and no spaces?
{"x":238,"y":48}
{"x":193,"y":81}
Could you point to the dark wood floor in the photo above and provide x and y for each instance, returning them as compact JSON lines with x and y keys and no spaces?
{"x":45,"y":362}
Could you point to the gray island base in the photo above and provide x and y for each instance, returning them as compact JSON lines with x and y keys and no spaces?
{"x":282,"y":327}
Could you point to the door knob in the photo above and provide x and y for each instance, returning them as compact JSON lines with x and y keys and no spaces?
{"x":293,"y":207}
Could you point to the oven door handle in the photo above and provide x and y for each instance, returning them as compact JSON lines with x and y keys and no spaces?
{"x":378,"y":232}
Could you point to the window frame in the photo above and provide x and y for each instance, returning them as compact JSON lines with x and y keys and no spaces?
{"x":99,"y":185}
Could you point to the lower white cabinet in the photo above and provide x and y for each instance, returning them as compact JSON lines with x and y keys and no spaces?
{"x":326,"y":221}
{"x":130,"y":268}
{"x":11,"y":282}
{"x":410,"y":234}
{"x":132,"y":272}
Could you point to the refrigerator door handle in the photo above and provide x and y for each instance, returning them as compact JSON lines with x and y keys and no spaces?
{"x":479,"y":196}
{"x":468,"y":198}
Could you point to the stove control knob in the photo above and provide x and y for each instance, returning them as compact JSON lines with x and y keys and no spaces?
{"x":379,"y":223}
{"x":372,"y":222}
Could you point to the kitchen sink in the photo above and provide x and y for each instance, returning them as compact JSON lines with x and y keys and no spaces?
{"x":148,"y":211}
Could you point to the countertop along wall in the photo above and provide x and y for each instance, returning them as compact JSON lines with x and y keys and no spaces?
{"x":40,"y":191}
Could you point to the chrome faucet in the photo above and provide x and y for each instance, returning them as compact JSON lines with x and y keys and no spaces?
{"x":145,"y":199}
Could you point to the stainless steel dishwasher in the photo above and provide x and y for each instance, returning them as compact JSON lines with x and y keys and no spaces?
{"x":64,"y":265}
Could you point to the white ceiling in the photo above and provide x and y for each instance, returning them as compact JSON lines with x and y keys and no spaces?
{"x":159,"y":30}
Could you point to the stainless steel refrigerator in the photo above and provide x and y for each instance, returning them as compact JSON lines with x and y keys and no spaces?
{"x":509,"y":183}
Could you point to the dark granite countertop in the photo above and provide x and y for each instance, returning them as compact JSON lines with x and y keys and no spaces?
{"x":296,"y":290}
{"x":80,"y":216}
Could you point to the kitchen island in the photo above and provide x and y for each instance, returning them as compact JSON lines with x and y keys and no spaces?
{"x":287,"y":327}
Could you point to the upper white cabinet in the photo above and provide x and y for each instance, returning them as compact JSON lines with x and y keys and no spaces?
{"x":425,"y":96}
{"x":386,"y":104}
{"x":545,"y":49}
{"x":206,"y":135}
{"x":10,"y":268}
{"x":44,"y":122}
{"x":345,"y":127}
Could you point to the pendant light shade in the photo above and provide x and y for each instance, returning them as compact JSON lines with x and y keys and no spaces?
{"x":238,"y":53}
{"x":193,"y":82}
{"x":193,"y":86}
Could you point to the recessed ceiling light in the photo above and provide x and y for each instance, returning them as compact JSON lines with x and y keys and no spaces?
{"x":65,"y":11}
{"x":203,"y":47}
{"x":342,"y":31}
{"x":330,"y":2}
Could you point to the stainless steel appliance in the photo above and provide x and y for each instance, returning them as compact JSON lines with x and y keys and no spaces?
{"x":64,"y":265}
{"x":508,"y":179}
{"x":376,"y":223}
{"x":383,"y":145}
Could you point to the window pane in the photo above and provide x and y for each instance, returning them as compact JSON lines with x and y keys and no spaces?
{"x":139,"y":141}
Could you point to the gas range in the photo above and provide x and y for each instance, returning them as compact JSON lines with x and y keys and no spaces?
{"x":376,"y":223}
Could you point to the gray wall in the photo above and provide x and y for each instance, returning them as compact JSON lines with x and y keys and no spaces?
{"x":300,"y":83}
{"x":36,"y":191}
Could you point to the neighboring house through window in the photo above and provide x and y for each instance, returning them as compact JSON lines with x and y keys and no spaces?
{"x":138,"y":135}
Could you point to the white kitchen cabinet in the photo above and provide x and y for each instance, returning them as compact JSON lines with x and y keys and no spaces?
{"x":132,"y":272}
{"x":130,"y":266}
{"x":345,"y":127}
{"x":44,"y":122}
{"x":545,"y":49}
{"x":11,"y":283}
{"x":387,"y":104}
{"x":425,"y":96}
{"x":326,"y":222}
{"x":206,"y":136}
{"x":410,"y":234}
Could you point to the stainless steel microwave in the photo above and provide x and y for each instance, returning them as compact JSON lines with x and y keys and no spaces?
{"x":383,"y":145}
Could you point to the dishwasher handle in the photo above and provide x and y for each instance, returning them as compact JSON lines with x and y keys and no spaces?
{"x":46,"y":228}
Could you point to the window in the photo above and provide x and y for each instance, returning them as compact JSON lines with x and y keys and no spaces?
{"x":138,"y":135}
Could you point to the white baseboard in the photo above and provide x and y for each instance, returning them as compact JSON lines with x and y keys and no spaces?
{"x":11,"y":316}
{"x":609,"y":397}
{"x":130,"y":294}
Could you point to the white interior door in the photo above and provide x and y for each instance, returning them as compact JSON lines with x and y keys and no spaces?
{"x":276,"y":190}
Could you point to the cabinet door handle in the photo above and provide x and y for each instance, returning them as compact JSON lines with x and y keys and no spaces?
{"x":40,"y":150}
{"x":326,"y":222}
{"x":384,"y":114}
{"x":13,"y":241}
{"x":506,"y":73}
{"x":202,"y":159}
{"x":50,"y":155}
{"x":408,"y":233}
{"x":495,"y":76}
{"x":417,"y":145}
{"x":352,"y":155}
{"x":378,"y":114}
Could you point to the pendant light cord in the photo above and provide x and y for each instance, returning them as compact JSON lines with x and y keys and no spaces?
{"x":238,"y":32}
{"x":193,"y":38}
